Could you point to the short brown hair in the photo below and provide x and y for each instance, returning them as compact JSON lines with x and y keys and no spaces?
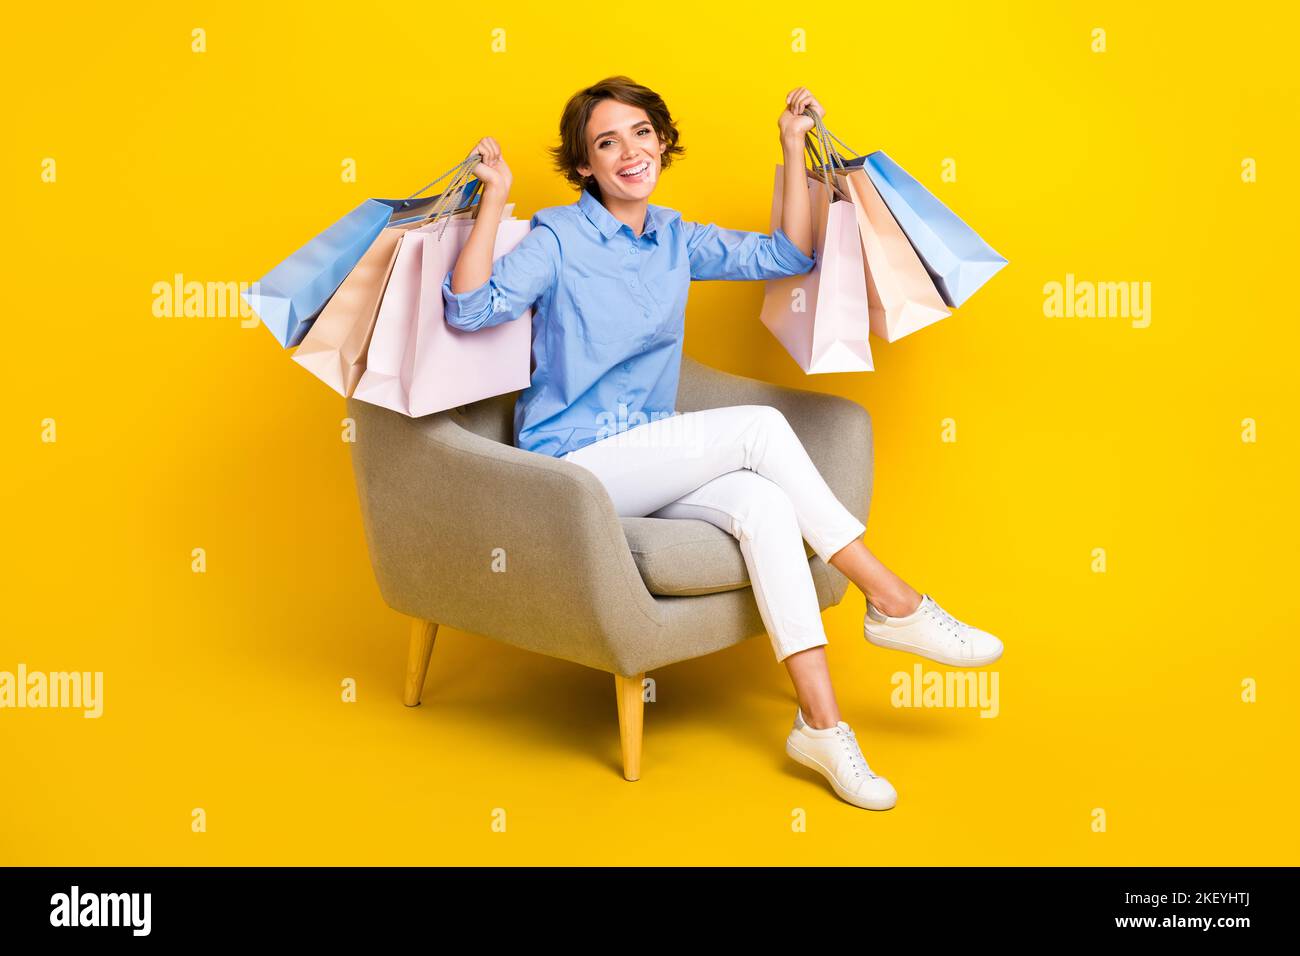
{"x":572,"y":151}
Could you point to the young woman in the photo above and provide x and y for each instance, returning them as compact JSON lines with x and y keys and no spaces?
{"x":608,"y":278}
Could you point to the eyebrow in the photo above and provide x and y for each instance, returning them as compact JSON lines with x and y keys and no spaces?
{"x":610,"y":132}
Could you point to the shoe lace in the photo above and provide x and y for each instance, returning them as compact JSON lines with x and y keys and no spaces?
{"x":947,"y":621}
{"x":856,"y":759}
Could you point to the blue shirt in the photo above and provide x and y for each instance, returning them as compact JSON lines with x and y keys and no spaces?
{"x":609,"y":312}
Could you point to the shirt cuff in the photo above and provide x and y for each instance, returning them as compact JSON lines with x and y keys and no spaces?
{"x":460,"y":304}
{"x":791,"y":256}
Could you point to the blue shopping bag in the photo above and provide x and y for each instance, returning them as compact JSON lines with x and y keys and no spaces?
{"x":289,"y":297}
{"x":958,"y":260}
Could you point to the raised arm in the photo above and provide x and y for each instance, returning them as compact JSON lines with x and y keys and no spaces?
{"x":794,"y":124}
{"x":717,"y":253}
{"x":474,"y":264}
{"x":480,"y":292}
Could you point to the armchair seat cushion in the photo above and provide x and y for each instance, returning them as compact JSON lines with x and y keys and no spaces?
{"x":686,"y":556}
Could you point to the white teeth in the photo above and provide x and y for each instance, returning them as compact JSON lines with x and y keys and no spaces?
{"x":633,"y":172}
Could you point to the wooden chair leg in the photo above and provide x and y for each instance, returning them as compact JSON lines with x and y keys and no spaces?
{"x":631,"y":715}
{"x":417,"y":661}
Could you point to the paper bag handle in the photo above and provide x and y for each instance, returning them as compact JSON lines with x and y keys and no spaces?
{"x":824,"y":171}
{"x":442,"y":209}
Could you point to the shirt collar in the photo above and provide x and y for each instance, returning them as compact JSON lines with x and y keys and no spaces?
{"x":605,"y":221}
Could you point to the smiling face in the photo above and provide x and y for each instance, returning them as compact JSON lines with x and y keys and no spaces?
{"x":621,"y":139}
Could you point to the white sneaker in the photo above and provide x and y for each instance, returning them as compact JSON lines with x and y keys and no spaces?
{"x":834,"y":753}
{"x":932,"y":632}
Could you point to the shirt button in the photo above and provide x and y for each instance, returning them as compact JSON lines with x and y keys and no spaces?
{"x":633,"y":283}
{"x":627,"y":366}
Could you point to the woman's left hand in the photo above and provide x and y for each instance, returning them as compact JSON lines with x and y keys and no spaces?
{"x":794,"y":121}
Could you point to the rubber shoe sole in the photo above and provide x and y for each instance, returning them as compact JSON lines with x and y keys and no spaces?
{"x":812,"y":763}
{"x":927,"y":653}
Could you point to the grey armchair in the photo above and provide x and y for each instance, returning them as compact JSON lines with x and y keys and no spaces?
{"x":446,"y":496}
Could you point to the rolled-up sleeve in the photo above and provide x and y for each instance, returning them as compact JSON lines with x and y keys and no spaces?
{"x":718,"y":253}
{"x":518,"y":279}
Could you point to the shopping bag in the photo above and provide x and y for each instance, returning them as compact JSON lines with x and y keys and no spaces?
{"x":900,"y":292}
{"x":822,"y":316}
{"x":289,"y":297}
{"x":455,"y":367}
{"x":334,"y":348}
{"x":387,"y":374}
{"x":958,"y":260}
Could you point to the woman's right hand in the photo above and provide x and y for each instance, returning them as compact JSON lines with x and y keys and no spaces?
{"x":492,"y":169}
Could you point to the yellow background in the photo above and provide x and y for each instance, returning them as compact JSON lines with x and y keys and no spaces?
{"x":1119,"y":691}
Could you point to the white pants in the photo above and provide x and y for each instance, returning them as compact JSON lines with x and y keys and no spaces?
{"x":743,"y":469}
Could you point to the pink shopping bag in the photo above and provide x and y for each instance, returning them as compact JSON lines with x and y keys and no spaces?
{"x":416,"y":363}
{"x":451,"y":366}
{"x":822,"y":317}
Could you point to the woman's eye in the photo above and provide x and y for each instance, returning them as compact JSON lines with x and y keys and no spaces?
{"x":643,"y":129}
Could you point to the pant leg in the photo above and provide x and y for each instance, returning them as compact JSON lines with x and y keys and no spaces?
{"x":651,"y":464}
{"x":761,"y":517}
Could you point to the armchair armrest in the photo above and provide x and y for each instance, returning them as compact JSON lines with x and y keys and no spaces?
{"x":835,"y":431}
{"x":495,"y":540}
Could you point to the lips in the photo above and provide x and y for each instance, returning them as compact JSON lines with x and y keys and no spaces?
{"x":636,"y":170}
